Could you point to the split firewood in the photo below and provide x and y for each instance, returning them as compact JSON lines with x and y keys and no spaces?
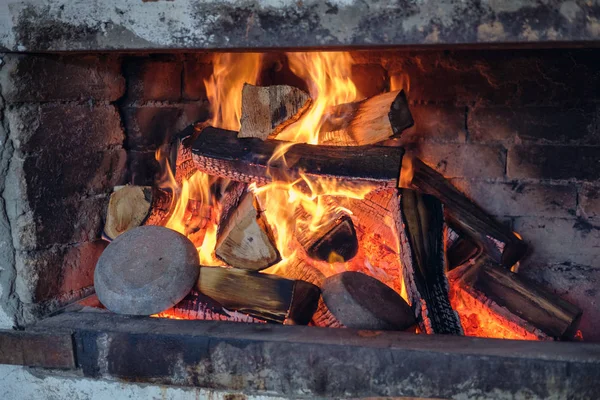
{"x":128,"y":208}
{"x":267,"y":110}
{"x":333,"y":239}
{"x":263,"y":296}
{"x":368,"y":121}
{"x":244,"y":238}
{"x":362,"y":302}
{"x":468,"y":219}
{"x":517,"y":301}
{"x":220,"y":153}
{"x":459,"y":249}
{"x":420,"y":228}
{"x":196,"y":306}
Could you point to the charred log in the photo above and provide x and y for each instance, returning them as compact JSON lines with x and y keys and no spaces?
{"x":499,"y":242}
{"x":267,"y":110}
{"x":518,"y":300}
{"x":420,"y":228}
{"x":263,"y":296}
{"x":220,"y":153}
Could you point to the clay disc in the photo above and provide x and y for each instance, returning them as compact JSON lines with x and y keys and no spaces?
{"x":146,"y":270}
{"x":362,"y":302}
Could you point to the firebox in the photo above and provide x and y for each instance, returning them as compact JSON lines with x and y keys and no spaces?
{"x":300,"y":209}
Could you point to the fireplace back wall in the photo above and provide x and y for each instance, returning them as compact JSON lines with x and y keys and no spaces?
{"x":516,"y":130}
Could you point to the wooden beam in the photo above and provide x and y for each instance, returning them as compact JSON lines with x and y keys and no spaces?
{"x":220,"y":153}
{"x":518,"y":300}
{"x":499,"y":242}
{"x":420,"y":228}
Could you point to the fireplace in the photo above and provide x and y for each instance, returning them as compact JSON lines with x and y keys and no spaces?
{"x":493,"y":149}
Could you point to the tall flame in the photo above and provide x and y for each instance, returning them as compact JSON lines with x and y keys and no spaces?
{"x":328,"y":77}
{"x":224,"y":86}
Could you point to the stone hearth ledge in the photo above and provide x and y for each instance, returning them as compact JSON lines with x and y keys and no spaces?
{"x":91,"y":25}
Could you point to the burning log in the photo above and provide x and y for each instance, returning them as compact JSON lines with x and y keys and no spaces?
{"x":128,"y":208}
{"x":502,"y":245}
{"x":460,"y":250}
{"x":263,"y":296}
{"x":334,"y":241}
{"x":267,"y":110}
{"x":244,"y":238}
{"x":161,"y":207}
{"x":420,"y":228}
{"x":362,"y":302}
{"x":220,"y":153}
{"x":197,"y":306}
{"x":368,"y":121}
{"x":520,"y":302}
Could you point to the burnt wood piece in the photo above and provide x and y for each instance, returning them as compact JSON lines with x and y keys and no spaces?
{"x":197,"y":306}
{"x":204,"y":354}
{"x":128,"y":208}
{"x":519,"y":300}
{"x":267,"y":110}
{"x":333,"y":239}
{"x":461,"y":251}
{"x":362,"y":302}
{"x":220,"y":153}
{"x":264,"y":296}
{"x":368,"y":121}
{"x":244,"y":238}
{"x":421,"y":233}
{"x":46,"y":349}
{"x":499,"y":242}
{"x":180,"y":153}
{"x":162,"y":201}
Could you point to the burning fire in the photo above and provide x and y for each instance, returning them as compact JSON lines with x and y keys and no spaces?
{"x":328,"y":77}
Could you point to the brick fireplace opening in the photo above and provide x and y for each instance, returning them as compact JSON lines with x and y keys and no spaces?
{"x":516,"y":131}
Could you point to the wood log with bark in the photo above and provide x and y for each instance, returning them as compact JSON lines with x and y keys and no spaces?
{"x":220,"y":153}
{"x":365,"y":122}
{"x":499,"y":242}
{"x":267,"y":110}
{"x":244,"y":238}
{"x":128,"y":207}
{"x":519,"y":302}
{"x":263,"y":296}
{"x":420,"y":229}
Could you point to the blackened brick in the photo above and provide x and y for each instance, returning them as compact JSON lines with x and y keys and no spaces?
{"x":149,"y":127}
{"x":195,"y":71}
{"x":554,"y":162}
{"x":558,"y":240}
{"x":436,"y":123}
{"x":152,"y":80}
{"x":558,"y":125}
{"x":462,"y":160}
{"x":64,"y":129}
{"x":589,"y":201}
{"x":143,"y":169}
{"x":521,"y":199}
{"x":36,"y":78}
{"x":369,"y":79}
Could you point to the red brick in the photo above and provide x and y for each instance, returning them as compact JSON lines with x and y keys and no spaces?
{"x":36,"y":78}
{"x":195,"y":71}
{"x":149,"y":127}
{"x":369,"y":79}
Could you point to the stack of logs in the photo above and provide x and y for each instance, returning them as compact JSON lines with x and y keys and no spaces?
{"x":443,"y":237}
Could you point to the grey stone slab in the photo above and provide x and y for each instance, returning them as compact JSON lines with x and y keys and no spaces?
{"x":36,"y":25}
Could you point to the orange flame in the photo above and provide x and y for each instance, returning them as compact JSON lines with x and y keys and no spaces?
{"x":224,"y":86}
{"x":328,"y":77}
